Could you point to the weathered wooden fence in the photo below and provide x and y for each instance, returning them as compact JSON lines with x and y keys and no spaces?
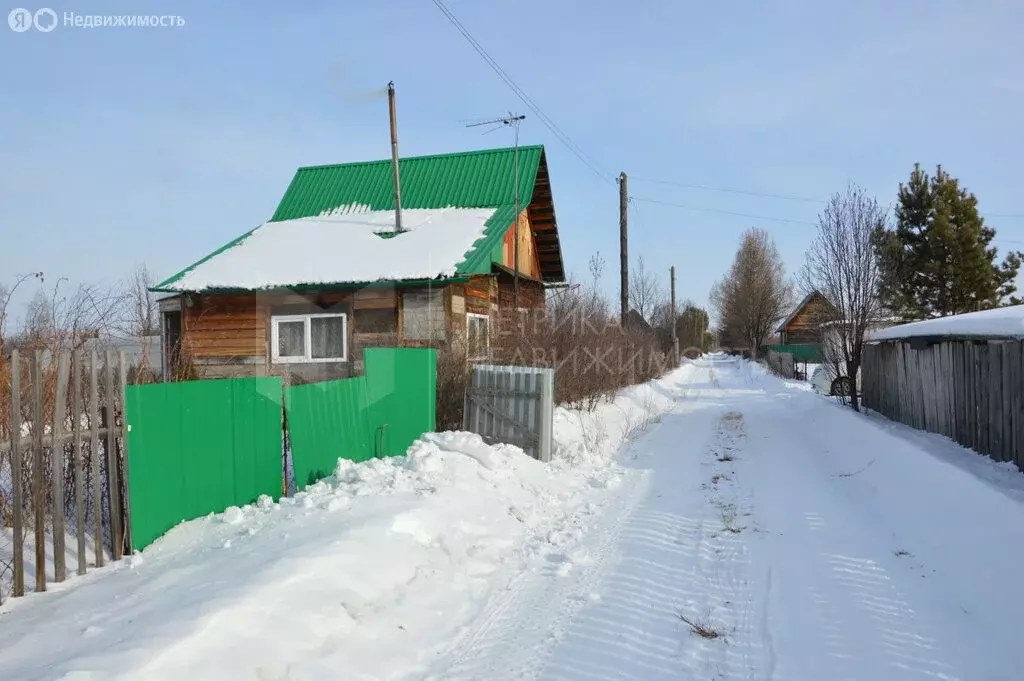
{"x":62,"y":462}
{"x":969,"y":391}
{"x":781,"y":363}
{"x":514,"y":405}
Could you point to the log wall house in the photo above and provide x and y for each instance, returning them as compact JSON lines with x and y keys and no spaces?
{"x":802,"y":326}
{"x":277,"y":301}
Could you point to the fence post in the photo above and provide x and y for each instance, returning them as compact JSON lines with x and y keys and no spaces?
{"x":57,"y":468}
{"x":76,"y":456}
{"x":113,"y":483}
{"x":546,"y":413}
{"x":122,"y":393}
{"x":94,"y":450}
{"x":38,"y":495}
{"x":19,"y":502}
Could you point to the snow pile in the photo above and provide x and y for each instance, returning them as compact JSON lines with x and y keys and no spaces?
{"x":1003,"y":322}
{"x":344,"y":246}
{"x":588,"y":440}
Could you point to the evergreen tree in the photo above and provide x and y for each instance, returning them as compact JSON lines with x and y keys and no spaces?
{"x":939,"y":260}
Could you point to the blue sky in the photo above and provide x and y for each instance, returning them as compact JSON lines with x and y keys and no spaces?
{"x":155,"y":145}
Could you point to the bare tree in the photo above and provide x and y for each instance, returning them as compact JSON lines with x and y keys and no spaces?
{"x":141,"y":304}
{"x":753,"y":296}
{"x":59,"y":320}
{"x":843,"y":266}
{"x":645,"y":292}
{"x":5,"y":300}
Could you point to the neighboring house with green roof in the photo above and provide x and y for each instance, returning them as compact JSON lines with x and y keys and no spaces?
{"x":328,"y":275}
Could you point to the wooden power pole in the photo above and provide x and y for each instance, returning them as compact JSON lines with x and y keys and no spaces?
{"x":623,"y":248}
{"x":675,"y":338}
{"x":394,"y":156}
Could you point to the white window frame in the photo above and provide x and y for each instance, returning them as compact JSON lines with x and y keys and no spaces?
{"x":487,"y":352}
{"x":307,"y":341}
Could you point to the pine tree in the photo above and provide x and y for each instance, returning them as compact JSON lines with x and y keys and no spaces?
{"x":938,"y":260}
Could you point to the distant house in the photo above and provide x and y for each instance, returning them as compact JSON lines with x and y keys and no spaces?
{"x":801,"y":327}
{"x":634,"y":320}
{"x":328,"y":275}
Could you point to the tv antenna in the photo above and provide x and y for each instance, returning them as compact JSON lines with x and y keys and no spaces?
{"x":511,"y":120}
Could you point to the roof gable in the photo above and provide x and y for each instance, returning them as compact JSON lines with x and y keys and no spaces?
{"x":814,"y":297}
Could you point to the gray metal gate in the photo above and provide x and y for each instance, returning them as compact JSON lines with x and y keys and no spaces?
{"x":514,"y":405}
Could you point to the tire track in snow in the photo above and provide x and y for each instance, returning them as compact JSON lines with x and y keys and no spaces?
{"x":837,"y":610}
{"x":724,"y":591}
{"x":521,"y":624}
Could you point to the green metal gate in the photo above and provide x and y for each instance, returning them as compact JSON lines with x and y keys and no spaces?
{"x":379,"y":414}
{"x":198,"y":447}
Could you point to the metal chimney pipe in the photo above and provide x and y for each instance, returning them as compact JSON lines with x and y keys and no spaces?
{"x":394,"y":156}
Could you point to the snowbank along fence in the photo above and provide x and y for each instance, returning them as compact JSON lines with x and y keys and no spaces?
{"x":199,"y":447}
{"x":513,"y":405}
{"x":62,"y":465}
{"x":969,"y":391}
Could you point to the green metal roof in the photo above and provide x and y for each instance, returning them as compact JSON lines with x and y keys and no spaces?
{"x":473,"y":179}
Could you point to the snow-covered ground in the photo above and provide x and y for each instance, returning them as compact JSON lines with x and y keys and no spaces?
{"x":758,"y":531}
{"x":373,"y":571}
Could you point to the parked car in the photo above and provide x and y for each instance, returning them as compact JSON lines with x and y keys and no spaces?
{"x":825,"y":380}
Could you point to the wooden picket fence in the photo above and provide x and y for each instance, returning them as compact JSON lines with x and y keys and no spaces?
{"x":71,"y":431}
{"x":971,"y":391}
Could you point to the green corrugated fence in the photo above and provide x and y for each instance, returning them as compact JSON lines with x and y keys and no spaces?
{"x":324,"y":420}
{"x":808,"y":352}
{"x":379,"y":414}
{"x":198,"y":447}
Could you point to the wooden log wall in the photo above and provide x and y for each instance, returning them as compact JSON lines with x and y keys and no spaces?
{"x":529,"y":262}
{"x":971,"y":392}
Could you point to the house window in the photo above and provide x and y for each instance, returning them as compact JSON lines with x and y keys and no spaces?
{"x":423,"y":315}
{"x":478,"y":339}
{"x":309,"y":338}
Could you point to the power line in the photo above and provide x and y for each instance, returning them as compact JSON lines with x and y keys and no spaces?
{"x":731,"y":191}
{"x":584,"y":158}
{"x":784,"y":197}
{"x":723,"y":212}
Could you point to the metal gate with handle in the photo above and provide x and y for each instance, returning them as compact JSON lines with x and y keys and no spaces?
{"x":514,"y":405}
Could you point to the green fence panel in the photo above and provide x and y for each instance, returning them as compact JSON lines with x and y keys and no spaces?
{"x":379,"y":414}
{"x":198,"y":447}
{"x":327,"y":421}
{"x":805,"y":352}
{"x":402,"y":386}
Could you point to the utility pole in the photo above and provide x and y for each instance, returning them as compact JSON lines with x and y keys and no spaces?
{"x":394,"y":156}
{"x":675,"y":338}
{"x":623,"y":248}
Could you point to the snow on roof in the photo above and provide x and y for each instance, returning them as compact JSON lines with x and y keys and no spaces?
{"x":344,"y":246}
{"x":1003,"y":322}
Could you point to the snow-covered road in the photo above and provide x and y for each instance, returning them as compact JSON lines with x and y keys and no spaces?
{"x":757,"y":531}
{"x":779,"y":536}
